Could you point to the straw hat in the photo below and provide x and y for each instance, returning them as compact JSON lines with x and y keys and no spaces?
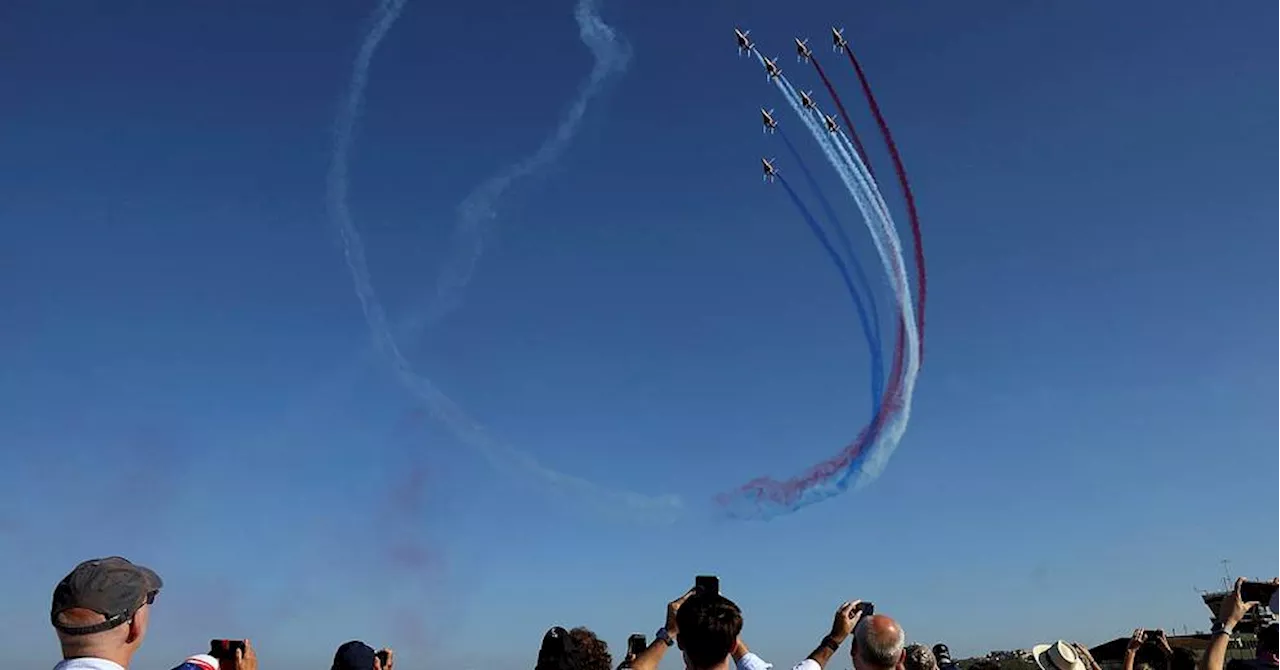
{"x":1057,"y":656}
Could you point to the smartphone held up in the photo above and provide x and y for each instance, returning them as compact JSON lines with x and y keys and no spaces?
{"x":225,"y":650}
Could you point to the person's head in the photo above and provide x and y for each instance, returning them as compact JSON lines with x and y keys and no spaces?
{"x":1060,"y":655}
{"x":920,"y":658}
{"x":354,"y":655}
{"x":942,"y":654}
{"x":577,"y":649}
{"x":878,"y":644}
{"x":1267,"y":644}
{"x":1183,"y":659}
{"x":101,"y":609}
{"x":709,"y":628}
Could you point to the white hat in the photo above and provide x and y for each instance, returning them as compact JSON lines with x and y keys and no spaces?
{"x":1057,"y":656}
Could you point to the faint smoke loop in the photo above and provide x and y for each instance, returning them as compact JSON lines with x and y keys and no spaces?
{"x":610,"y":57}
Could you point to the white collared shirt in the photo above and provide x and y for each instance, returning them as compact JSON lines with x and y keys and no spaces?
{"x":750,"y":661}
{"x":88,"y":663}
{"x":807,"y":664}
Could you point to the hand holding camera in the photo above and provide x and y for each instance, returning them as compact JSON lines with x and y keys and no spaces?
{"x":233,"y":654}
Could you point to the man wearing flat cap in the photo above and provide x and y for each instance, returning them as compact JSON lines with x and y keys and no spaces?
{"x":100,"y":612}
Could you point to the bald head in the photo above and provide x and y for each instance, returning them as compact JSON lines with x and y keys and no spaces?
{"x":878,"y":644}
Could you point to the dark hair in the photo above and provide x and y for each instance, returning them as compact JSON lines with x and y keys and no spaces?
{"x":1183,"y":659}
{"x":709,"y":628}
{"x":1267,"y":638}
{"x":577,"y":649}
{"x":592,"y":652}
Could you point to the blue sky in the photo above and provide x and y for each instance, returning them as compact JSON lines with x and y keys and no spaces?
{"x":189,"y":379}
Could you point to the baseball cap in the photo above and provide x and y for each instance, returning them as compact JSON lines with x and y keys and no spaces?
{"x":353,"y":655}
{"x":113,"y":587}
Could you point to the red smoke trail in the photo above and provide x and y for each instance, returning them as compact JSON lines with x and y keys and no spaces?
{"x":848,"y":123}
{"x":912,"y":216}
{"x":787,"y":492}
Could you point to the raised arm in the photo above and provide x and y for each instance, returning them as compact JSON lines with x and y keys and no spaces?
{"x":651,"y":657}
{"x":846,"y":618}
{"x":1230,"y":614}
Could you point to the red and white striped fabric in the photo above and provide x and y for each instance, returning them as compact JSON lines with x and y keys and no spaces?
{"x":199,"y":662}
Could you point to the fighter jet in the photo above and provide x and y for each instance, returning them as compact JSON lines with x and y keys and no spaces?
{"x":831,"y":123}
{"x":744,"y":43}
{"x":806,"y":99}
{"x":771,"y":67}
{"x":767,"y":116}
{"x":802,"y":51}
{"x":769,"y":172}
{"x":838,"y":42}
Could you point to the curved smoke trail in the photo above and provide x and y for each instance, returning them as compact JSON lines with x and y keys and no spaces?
{"x":611,"y":56}
{"x":913,"y":217}
{"x":848,"y":122}
{"x":870,"y":328}
{"x":865,"y":458}
{"x":876,"y":212}
{"x":466,"y":429}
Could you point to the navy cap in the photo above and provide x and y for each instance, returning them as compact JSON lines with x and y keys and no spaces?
{"x":354,"y":655}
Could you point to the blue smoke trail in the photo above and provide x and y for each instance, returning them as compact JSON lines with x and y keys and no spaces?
{"x":464,"y":428}
{"x":870,"y":330}
{"x":862,"y":186}
{"x":821,"y":483}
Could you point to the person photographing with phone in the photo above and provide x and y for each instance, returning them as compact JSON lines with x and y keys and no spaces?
{"x":1144,"y":640}
{"x":1245,"y":597}
{"x":223,"y":655}
{"x":878,"y":641}
{"x":356,"y":655}
{"x":707,"y":627}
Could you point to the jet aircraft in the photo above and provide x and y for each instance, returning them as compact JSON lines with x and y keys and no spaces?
{"x":770,"y":124}
{"x":771,"y":67}
{"x":803,"y":54}
{"x":838,"y":42}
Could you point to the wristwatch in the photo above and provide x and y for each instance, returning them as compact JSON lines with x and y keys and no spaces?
{"x":830,"y":644}
{"x":663,"y":635}
{"x":1220,"y":629}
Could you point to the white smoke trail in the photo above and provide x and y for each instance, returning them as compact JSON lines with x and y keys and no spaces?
{"x":861,"y":185}
{"x":611,"y":57}
{"x":501,"y":456}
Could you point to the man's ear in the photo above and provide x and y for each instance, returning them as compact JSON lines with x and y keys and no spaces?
{"x":902,"y":659}
{"x":138,"y":625}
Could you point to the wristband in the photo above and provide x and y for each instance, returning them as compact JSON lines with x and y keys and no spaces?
{"x":830,"y":643}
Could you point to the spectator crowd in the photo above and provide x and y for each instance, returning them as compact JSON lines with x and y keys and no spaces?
{"x":101,"y":611}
